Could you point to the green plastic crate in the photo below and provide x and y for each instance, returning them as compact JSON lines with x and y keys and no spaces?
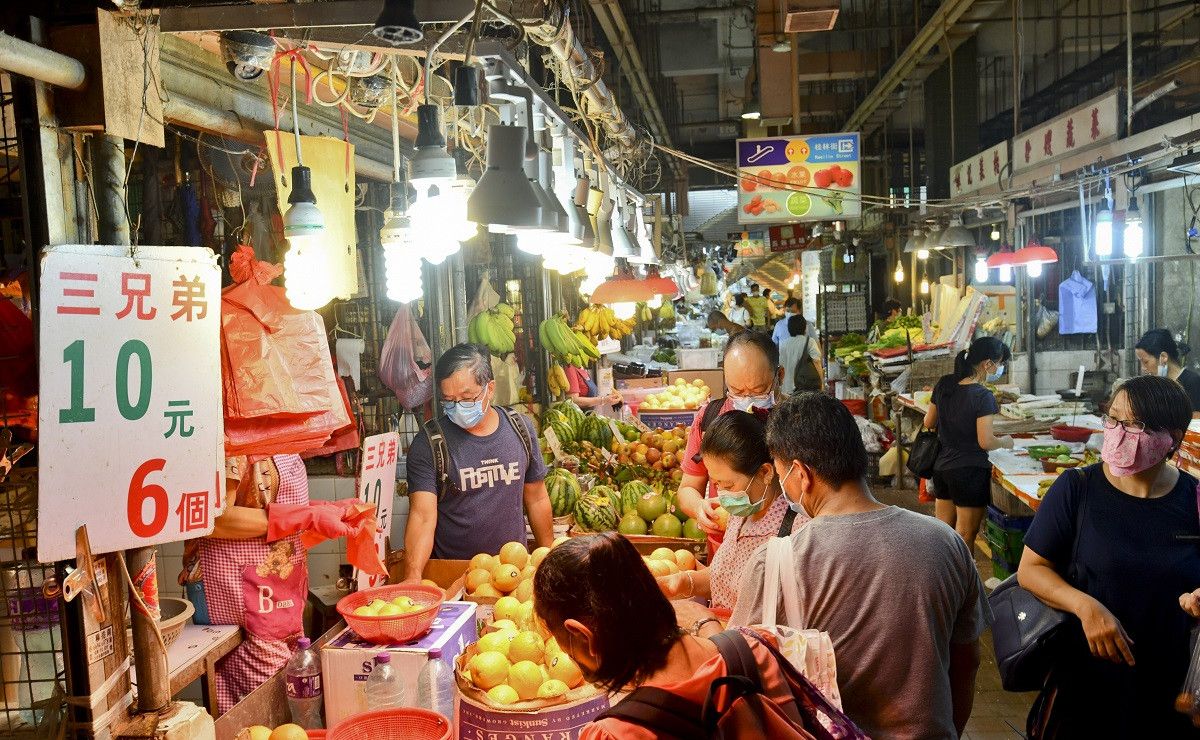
{"x":1005,"y":543}
{"x":999,"y":571}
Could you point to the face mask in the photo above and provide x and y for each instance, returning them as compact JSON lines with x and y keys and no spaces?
{"x":465,"y":414}
{"x":745,"y":403}
{"x":1129,"y":453}
{"x":796,"y":506}
{"x":993,"y":377}
{"x":738,"y":503}
{"x":1163,"y":369}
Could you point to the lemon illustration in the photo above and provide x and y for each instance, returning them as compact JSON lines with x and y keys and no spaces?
{"x":799,"y":204}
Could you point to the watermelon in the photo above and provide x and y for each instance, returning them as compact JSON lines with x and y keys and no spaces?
{"x":564,"y":432}
{"x":563,"y":488}
{"x":611,"y":494}
{"x":632,"y":524}
{"x":572,"y":413}
{"x":595,"y":513}
{"x":631,"y":493}
{"x":597,"y":431}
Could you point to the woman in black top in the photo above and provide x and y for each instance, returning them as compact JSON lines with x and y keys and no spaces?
{"x":961,"y":410}
{"x":1130,"y":527}
{"x":1159,"y":354}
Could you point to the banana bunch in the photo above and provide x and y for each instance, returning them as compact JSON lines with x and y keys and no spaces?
{"x":569,"y":345}
{"x":645,"y":314}
{"x":557,"y":381}
{"x":494,"y":328}
{"x":666,"y":315}
{"x":599,"y":322}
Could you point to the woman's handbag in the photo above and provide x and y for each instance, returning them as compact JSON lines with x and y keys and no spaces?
{"x":925,"y":450}
{"x":1025,"y":631}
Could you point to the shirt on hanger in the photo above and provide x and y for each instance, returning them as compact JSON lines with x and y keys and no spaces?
{"x":1076,"y":305}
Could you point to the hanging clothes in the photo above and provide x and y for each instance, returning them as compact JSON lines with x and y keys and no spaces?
{"x":1077,"y":305}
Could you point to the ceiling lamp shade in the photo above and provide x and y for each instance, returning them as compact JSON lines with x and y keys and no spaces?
{"x":397,"y":23}
{"x":956,"y":235}
{"x":915,"y":242}
{"x":625,"y":288}
{"x":1032,"y":256}
{"x":624,"y":244}
{"x":504,"y":199}
{"x":1003,"y":258}
{"x":933,"y":239}
{"x":431,"y":163}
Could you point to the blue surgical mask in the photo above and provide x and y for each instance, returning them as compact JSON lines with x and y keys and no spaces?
{"x":796,"y":506}
{"x":993,"y":377}
{"x":738,"y":503}
{"x":1163,"y":369}
{"x":745,"y":403}
{"x":465,"y":414}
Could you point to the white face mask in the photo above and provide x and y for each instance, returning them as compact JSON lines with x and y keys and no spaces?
{"x":796,"y":506}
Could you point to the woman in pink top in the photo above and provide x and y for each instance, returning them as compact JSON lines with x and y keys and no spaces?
{"x":598,"y":599}
{"x":735,"y":453}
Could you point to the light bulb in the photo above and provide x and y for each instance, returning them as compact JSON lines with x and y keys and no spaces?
{"x":402,"y":263}
{"x":306,"y":271}
{"x":1103,"y":233}
{"x":440,"y":216}
{"x":995,"y":233}
{"x":1134,"y":244}
{"x":899,"y":274}
{"x":1005,"y":274}
{"x":530,"y":243}
{"x":924,"y":288}
{"x":922,"y":254}
{"x":981,"y":269}
{"x":1034,"y":269}
{"x":655,"y":302}
{"x":624,"y":309}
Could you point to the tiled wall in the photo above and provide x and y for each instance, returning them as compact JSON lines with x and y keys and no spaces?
{"x":1053,"y":369}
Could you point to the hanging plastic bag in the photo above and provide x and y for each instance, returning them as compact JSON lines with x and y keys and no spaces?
{"x":1047,"y":322}
{"x":508,"y":380}
{"x":398,"y":362}
{"x":485,"y":298}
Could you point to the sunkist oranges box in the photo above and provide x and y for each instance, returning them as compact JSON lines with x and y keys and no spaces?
{"x":347,"y":660}
{"x":447,"y":574}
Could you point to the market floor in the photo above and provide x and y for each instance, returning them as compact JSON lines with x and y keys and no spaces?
{"x":998,"y":714}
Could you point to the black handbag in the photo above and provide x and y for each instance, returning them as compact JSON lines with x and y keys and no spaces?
{"x":924,"y":453}
{"x":1025,"y":631}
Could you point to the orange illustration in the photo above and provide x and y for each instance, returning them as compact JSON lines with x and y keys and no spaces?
{"x":797,"y":150}
{"x":798,"y":176}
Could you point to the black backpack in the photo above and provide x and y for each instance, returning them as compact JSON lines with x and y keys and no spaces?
{"x":441,"y":450}
{"x":805,"y":374}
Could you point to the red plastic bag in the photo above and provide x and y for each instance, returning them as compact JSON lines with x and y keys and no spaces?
{"x":346,"y":438}
{"x":398,"y":368}
{"x":925,"y":492}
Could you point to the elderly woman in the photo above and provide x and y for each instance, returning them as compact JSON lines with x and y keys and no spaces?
{"x":1115,"y":544}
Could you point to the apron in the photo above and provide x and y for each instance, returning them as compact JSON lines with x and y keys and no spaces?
{"x":260,"y":587}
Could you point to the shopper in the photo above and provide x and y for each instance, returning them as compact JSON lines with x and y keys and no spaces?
{"x":756,"y":304}
{"x":889,"y":312}
{"x":800,"y":357}
{"x":490,"y":477}
{"x":734,"y":450}
{"x":1135,"y":552}
{"x":740,"y":314}
{"x":600,"y":602}
{"x":584,"y":392}
{"x":752,"y":377}
{"x":718,"y":321}
{"x":898,"y":592}
{"x":962,"y":409}
{"x":791,"y":307}
{"x":1160,"y":354}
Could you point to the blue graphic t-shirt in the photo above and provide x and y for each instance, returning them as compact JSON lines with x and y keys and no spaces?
{"x":490,"y":474}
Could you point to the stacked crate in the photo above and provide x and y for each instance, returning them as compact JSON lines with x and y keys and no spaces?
{"x":1005,"y":535}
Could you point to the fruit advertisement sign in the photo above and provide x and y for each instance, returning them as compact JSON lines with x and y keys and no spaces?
{"x":798,"y":178}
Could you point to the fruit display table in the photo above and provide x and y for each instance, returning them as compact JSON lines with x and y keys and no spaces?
{"x":195,"y":653}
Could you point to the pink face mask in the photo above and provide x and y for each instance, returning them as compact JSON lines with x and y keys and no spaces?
{"x":1129,"y":453}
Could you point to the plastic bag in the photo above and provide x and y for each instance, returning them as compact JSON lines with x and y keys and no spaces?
{"x":1047,"y":322}
{"x":398,"y":369}
{"x":1188,"y":701}
{"x":485,"y":298}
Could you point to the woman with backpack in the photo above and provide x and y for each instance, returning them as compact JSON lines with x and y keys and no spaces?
{"x":734,"y":450}
{"x":800,"y":357}
{"x":601,"y":603}
{"x":961,"y":409}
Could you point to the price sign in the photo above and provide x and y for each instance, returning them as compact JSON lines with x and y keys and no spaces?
{"x":130,"y":423}
{"x":377,"y":485}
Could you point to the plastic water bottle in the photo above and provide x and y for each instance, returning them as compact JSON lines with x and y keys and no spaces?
{"x":435,"y":686}
{"x":304,"y":693}
{"x":385,"y":688}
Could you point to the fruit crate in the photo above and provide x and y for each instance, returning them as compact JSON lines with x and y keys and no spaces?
{"x":667,"y":419}
{"x":1002,"y":567}
{"x":1016,"y":523}
{"x":1000,"y":572}
{"x":1007,"y":543}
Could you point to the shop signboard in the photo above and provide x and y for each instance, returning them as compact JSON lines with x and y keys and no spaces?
{"x":751,"y":244}
{"x":131,"y":435}
{"x":377,"y":485}
{"x":787,"y":238}
{"x":980,"y":171}
{"x":1092,"y":123}
{"x":799,"y":178}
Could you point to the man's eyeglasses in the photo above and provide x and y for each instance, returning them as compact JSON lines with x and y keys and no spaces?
{"x":453,"y":404}
{"x":1136,"y":427}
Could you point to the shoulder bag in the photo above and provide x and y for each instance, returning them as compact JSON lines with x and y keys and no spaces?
{"x":1025,"y":631}
{"x":924,"y":453}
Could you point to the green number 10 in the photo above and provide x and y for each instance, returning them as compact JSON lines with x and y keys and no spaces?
{"x":131,"y":410}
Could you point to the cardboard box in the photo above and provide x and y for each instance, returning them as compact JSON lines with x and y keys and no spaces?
{"x":346,"y":660}
{"x":714,"y":379}
{"x":479,"y":722}
{"x":658,"y":382}
{"x":704,"y":358}
{"x":667,"y":419}
{"x":451,"y":575}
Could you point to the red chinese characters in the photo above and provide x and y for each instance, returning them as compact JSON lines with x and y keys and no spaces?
{"x":1070,"y":133}
{"x":1048,"y":143}
{"x":135,"y":287}
{"x":87,"y":289}
{"x":193,"y":511}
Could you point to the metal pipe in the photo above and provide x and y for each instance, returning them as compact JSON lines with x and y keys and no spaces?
{"x":1128,"y":67}
{"x":30,"y":60}
{"x":248,"y":127}
{"x":437,"y":45}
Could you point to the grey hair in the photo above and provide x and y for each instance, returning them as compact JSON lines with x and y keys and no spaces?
{"x":465,"y":355}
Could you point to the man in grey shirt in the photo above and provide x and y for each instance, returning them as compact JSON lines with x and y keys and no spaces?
{"x":897,"y":591}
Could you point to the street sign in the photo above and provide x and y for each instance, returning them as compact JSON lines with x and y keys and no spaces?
{"x":377,"y":485}
{"x":788,"y":179}
{"x":131,"y":437}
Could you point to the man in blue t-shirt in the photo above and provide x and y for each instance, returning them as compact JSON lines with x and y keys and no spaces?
{"x":791,"y":307}
{"x":492,"y":480}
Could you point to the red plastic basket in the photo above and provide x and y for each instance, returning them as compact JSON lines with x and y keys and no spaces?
{"x":393,"y":724}
{"x":395,"y":629}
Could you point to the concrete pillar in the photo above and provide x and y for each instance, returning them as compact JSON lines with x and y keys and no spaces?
{"x":946,"y":145}
{"x":108,"y":182}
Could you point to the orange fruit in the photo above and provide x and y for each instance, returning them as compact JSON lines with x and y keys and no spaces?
{"x":482,"y":561}
{"x":477,"y":578}
{"x":514,"y":553}
{"x":508,"y":608}
{"x":488,"y":591}
{"x":527,"y":646}
{"x":536,"y":557}
{"x":524,"y":590}
{"x":799,"y":176}
{"x":562,"y":668}
{"x":258,"y":732}
{"x":685,"y":559}
{"x":489,"y":669}
{"x":289,"y":732}
{"x":526,"y":678}
{"x":505,"y":577}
